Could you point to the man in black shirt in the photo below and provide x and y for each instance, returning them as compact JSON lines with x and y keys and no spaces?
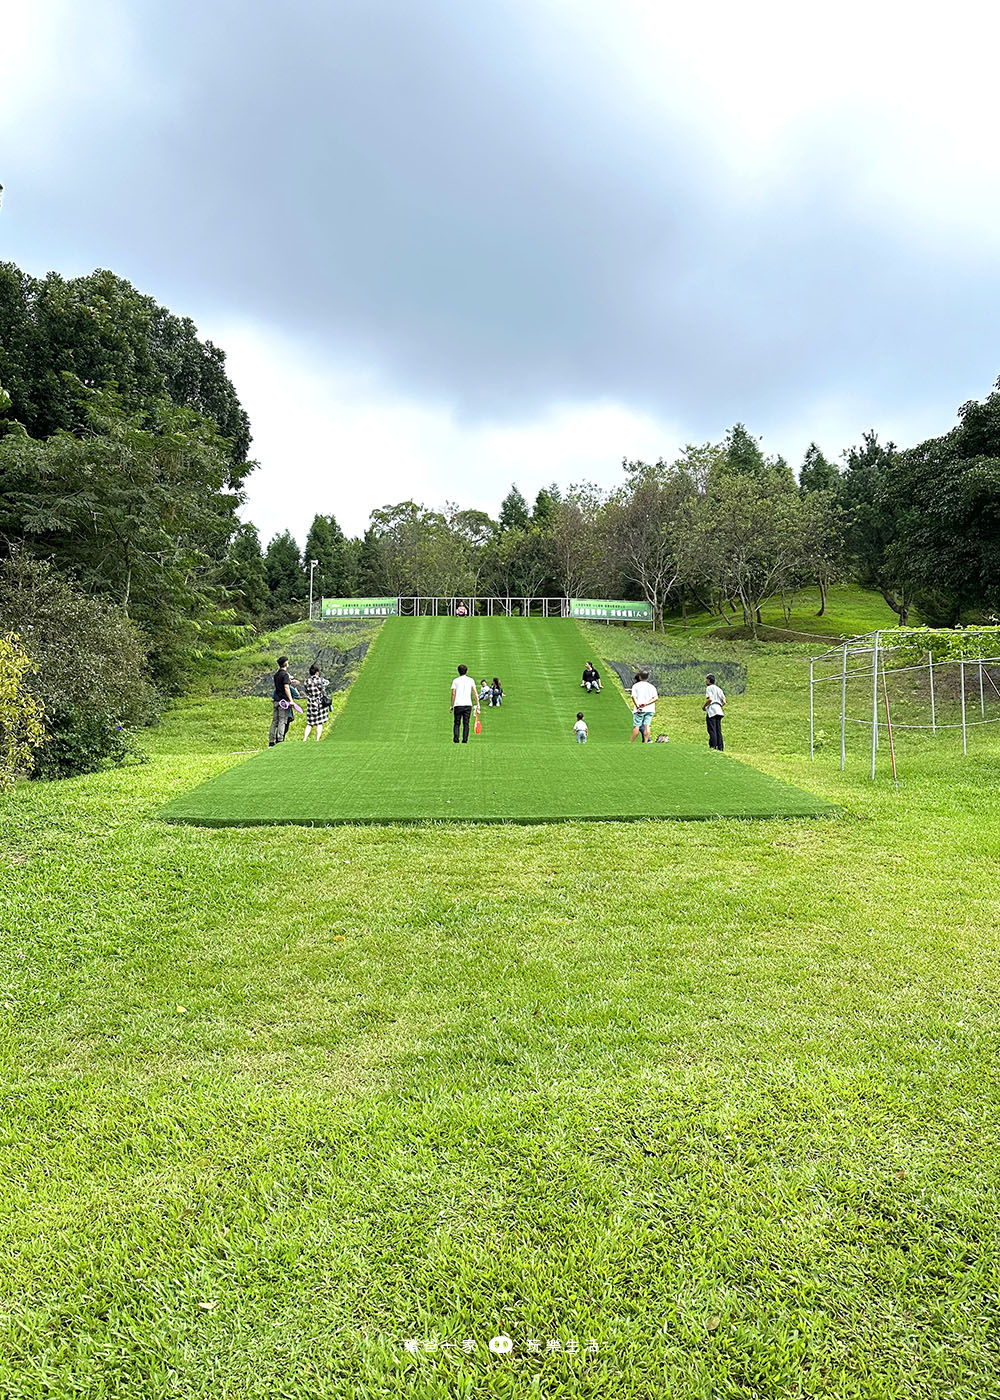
{"x":282,"y":711}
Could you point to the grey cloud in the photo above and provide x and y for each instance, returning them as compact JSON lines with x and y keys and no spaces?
{"x":462,"y":195}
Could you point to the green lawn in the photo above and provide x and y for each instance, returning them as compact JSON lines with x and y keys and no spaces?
{"x":390,"y":756}
{"x":721,"y":1097}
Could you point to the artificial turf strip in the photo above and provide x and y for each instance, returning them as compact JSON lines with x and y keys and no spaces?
{"x":390,"y":756}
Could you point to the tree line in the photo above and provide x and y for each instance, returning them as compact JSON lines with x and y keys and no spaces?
{"x":723,"y":527}
{"x":124,"y":557}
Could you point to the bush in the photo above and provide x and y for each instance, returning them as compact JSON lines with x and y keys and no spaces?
{"x":21,"y":729}
{"x":88,"y":668}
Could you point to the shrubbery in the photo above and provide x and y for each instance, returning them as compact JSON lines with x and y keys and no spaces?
{"x":21,"y":729}
{"x":88,"y":667}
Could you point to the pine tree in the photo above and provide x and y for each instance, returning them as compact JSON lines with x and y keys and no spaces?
{"x":244,"y":573}
{"x":326,"y":544}
{"x":544,"y":509}
{"x":816,"y":473}
{"x":370,"y":574}
{"x":513,"y":511}
{"x":286,"y":581}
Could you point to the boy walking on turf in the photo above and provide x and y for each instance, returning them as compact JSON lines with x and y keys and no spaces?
{"x":464,"y":697}
{"x":580,"y":728}
{"x":644,"y":698}
{"x":714,"y":707}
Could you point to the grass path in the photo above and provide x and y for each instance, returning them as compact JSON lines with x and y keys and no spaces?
{"x":723,"y":1098}
{"x":390,"y":755}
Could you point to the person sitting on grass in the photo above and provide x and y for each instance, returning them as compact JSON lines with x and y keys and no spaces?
{"x":484,"y":689}
{"x":644,"y":698}
{"x":496,"y":692}
{"x":580,"y":728}
{"x":317,"y":704}
{"x":591,"y":678}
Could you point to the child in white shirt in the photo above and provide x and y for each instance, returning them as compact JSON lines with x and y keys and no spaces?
{"x":580,"y":728}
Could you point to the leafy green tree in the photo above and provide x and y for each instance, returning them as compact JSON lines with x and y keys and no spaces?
{"x":822,"y":521}
{"x":572,"y":537}
{"x":88,"y":667}
{"x":59,"y":335}
{"x":140,"y":509}
{"x":420,"y":554}
{"x":947,"y":512}
{"x":22,"y":728}
{"x":518,"y":564}
{"x":474,"y":529}
{"x":513,"y":511}
{"x":744,"y":539}
{"x":642,"y":526}
{"x":874,"y":512}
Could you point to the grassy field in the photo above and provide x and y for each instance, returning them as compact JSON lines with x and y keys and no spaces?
{"x":391,"y":756}
{"x":720,"y":1098}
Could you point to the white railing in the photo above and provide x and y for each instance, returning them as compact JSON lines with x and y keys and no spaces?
{"x":483,"y":607}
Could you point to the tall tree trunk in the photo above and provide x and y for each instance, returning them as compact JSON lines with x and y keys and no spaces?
{"x":900,"y":606}
{"x":822,"y":597}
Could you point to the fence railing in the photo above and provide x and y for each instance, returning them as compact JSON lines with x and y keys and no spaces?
{"x":483,"y":607}
{"x":487,"y":605}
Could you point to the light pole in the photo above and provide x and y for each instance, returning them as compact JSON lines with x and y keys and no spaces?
{"x":312,"y":569}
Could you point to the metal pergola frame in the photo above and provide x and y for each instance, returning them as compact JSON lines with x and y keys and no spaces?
{"x":869,"y":651}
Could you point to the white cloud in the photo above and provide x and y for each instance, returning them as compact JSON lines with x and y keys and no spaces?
{"x":334,"y":439}
{"x":906,"y":93}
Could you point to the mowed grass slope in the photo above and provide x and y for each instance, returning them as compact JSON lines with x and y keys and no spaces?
{"x":390,"y":755}
{"x":722,"y":1097}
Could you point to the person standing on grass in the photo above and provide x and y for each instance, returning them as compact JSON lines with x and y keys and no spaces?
{"x":282,"y":701}
{"x":714,"y":707}
{"x":580,"y":728}
{"x":644,"y":698}
{"x":464,"y":698}
{"x":317,"y":704}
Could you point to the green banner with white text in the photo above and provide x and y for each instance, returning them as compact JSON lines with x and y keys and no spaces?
{"x":360,"y":607}
{"x":600,"y":610}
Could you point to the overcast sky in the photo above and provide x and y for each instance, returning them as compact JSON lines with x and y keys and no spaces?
{"x":450,"y":245}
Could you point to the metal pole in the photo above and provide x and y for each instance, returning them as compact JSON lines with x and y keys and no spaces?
{"x":888,"y":725}
{"x":843,"y":713}
{"x":961,"y":672}
{"x":930,"y":668}
{"x":312,"y":569}
{"x":874,"y":702}
{"x":812,"y":735}
{"x":982,"y":698}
